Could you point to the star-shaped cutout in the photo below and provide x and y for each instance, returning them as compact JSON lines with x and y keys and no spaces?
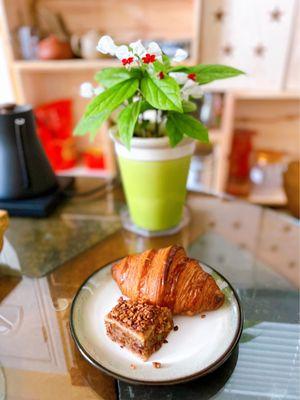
{"x":259,"y":50}
{"x":227,"y":50}
{"x":219,"y":15}
{"x":276,"y":14}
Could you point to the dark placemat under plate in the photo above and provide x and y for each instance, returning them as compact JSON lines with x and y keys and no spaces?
{"x":202,"y":388}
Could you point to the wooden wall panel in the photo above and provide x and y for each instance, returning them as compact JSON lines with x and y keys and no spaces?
{"x":128,"y":19}
{"x":293,"y":70}
{"x":251,"y":35}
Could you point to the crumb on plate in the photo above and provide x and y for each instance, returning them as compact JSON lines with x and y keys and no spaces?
{"x":156,"y":364}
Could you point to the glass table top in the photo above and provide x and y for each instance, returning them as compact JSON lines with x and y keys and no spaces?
{"x":256,"y":248}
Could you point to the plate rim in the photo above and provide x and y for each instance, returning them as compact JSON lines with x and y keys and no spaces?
{"x":212,"y":367}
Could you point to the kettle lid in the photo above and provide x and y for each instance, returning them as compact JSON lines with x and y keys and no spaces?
{"x":12,"y":108}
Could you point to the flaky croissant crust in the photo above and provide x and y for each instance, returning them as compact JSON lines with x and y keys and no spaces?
{"x":167,"y":277}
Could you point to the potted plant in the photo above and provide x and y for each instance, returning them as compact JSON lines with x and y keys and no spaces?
{"x":150,"y":98}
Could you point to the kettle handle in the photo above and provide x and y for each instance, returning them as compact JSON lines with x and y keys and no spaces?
{"x":19,"y":129}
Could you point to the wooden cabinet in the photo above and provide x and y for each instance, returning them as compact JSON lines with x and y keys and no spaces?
{"x":215,"y":32}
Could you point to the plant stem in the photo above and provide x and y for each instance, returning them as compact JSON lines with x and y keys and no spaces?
{"x":156,"y":122}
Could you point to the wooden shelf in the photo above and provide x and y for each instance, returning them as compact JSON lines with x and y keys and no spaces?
{"x":256,"y":94}
{"x":82,"y":171}
{"x":215,"y":135}
{"x":75,"y":64}
{"x":266,"y":95}
{"x":61,"y":65}
{"x":274,"y":197}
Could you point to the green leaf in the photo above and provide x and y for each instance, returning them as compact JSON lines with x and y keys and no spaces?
{"x":174,"y":133}
{"x":90,"y":124}
{"x":209,"y":73}
{"x":111,"y":76}
{"x":206,"y":73}
{"x":145,"y":106}
{"x":163,"y":94}
{"x":188,"y":106}
{"x":189,"y":126}
{"x":112,"y":97}
{"x":181,"y":68}
{"x":158,"y":67}
{"x":127,"y":120}
{"x":102,"y":106}
{"x":166,"y":61}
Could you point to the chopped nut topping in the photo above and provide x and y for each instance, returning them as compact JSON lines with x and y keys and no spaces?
{"x":165,"y":341}
{"x":132,"y":366}
{"x":139,"y":315}
{"x":175,"y":328}
{"x":203,"y":316}
{"x":156,"y":364}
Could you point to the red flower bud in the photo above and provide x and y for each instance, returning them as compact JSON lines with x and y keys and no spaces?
{"x":161,"y":75}
{"x":149,"y":58}
{"x":192,"y":77}
{"x":128,"y":60}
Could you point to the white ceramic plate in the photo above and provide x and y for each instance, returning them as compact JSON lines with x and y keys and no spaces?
{"x":199,"y":346}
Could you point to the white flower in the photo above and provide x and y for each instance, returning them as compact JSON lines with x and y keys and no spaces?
{"x":191,"y":88}
{"x":87,"y":90}
{"x":138,"y":48}
{"x":180,"y":77}
{"x":153,"y":48}
{"x":98,"y":90}
{"x":180,"y":55}
{"x":150,"y":115}
{"x":106,"y":45}
{"x":123,"y":52}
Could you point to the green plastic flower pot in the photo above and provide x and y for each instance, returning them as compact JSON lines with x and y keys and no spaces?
{"x":154,"y":177}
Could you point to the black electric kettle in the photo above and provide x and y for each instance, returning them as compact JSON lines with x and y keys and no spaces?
{"x":24,"y":168}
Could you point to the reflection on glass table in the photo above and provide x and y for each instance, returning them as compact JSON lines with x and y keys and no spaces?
{"x":255,"y":248}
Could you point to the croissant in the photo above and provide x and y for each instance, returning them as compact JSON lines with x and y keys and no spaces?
{"x":167,"y":277}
